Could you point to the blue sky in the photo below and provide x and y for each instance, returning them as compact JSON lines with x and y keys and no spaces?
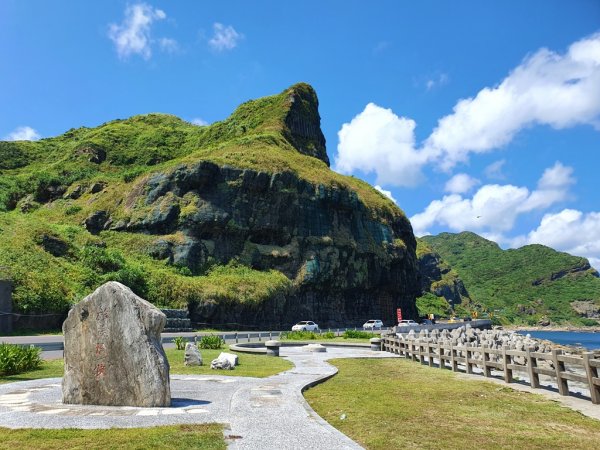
{"x":481,"y":116}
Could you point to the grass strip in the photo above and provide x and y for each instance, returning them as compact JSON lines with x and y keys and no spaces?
{"x":393,"y":403}
{"x":249,"y":366}
{"x":205,"y":436}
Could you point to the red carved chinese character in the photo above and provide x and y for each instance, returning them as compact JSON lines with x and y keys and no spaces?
{"x":100,"y":370}
{"x":100,"y":350}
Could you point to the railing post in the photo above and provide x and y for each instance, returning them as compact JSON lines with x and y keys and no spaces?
{"x":270,"y":335}
{"x":487,"y":370}
{"x":259,"y":337}
{"x":442,"y":365}
{"x":534,"y":378}
{"x":415,"y":355}
{"x":468,"y":356}
{"x":591,"y":373}
{"x":421,"y":352}
{"x":506,"y":361}
{"x":430,"y":354}
{"x":453,"y":361}
{"x":248,"y":334}
{"x":236,"y":337}
{"x":559,"y":366}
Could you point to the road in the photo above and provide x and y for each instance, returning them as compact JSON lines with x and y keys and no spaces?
{"x":52,"y":345}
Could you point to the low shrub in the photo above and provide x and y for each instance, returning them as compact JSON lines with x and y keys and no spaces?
{"x":298,"y":335}
{"x":16,"y":359}
{"x":179,"y":343}
{"x":589,"y":322}
{"x":211,"y":342}
{"x":354,"y":334}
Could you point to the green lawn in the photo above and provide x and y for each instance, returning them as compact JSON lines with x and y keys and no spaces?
{"x":395,"y":403}
{"x":249,"y":366}
{"x":204,"y":436}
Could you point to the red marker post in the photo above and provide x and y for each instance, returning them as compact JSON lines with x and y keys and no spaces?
{"x":399,"y":314}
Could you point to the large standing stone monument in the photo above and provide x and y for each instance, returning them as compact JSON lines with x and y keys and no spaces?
{"x":113,"y":351}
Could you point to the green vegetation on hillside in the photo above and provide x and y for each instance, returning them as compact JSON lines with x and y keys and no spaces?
{"x":49,"y":187}
{"x":521,"y":286}
{"x":121,"y":151}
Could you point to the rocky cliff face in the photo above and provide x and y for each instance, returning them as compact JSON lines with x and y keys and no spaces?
{"x":438,"y":278}
{"x":346,"y":263}
{"x":242,"y":219}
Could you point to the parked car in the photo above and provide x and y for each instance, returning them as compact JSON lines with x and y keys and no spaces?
{"x":373,"y":324}
{"x":305,"y":325}
{"x":406,"y":322}
{"x":426,"y":322}
{"x":467,"y":319}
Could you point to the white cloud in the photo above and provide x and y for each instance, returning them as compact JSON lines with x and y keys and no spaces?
{"x":552,"y":188}
{"x":22,"y":134}
{"x":460,"y":183}
{"x":494,"y":170}
{"x":224,"y":37}
{"x":546,"y":88}
{"x":168,"y":45}
{"x":379,"y":141}
{"x":199,"y":121}
{"x":437,"y":81}
{"x":494,"y":208}
{"x":132,"y":36}
{"x":388,"y":194}
{"x":569,"y":230}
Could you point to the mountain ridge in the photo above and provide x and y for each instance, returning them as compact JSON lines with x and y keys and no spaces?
{"x":241,"y":220}
{"x":531,"y":285}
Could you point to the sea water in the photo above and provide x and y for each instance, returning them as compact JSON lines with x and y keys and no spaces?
{"x":585,"y":339}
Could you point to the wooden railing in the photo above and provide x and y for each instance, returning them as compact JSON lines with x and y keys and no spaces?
{"x":503,"y":360}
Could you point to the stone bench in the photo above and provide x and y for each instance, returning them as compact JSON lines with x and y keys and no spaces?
{"x":375,"y":344}
{"x":272,"y":347}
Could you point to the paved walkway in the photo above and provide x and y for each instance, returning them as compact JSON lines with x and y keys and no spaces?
{"x":265,"y":413}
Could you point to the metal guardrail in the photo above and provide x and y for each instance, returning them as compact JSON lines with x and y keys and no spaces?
{"x":228,"y":337}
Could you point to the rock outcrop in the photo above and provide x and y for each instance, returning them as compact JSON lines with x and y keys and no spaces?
{"x":346,"y":264}
{"x":113,"y":352}
{"x":438,"y":278}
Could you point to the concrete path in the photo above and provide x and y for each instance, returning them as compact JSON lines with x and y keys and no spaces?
{"x":266,"y":413}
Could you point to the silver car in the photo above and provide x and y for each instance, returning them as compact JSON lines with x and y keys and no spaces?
{"x":305,"y":325}
{"x":373,"y":324}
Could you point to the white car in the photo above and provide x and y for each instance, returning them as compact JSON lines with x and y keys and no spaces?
{"x":305,"y":325}
{"x":373,"y":324}
{"x":407,"y":322}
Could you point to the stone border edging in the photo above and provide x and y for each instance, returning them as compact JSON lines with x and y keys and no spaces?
{"x":259,"y":347}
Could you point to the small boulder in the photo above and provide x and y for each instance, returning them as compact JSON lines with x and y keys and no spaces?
{"x":316,"y":348}
{"x":233,"y":359}
{"x":96,"y":221}
{"x":221,"y":364}
{"x":192,"y":355}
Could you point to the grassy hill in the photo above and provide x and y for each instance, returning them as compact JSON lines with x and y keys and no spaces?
{"x":525,"y":285}
{"x":48,"y":188}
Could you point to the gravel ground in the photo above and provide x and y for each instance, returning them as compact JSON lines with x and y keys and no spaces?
{"x":266,"y":413}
